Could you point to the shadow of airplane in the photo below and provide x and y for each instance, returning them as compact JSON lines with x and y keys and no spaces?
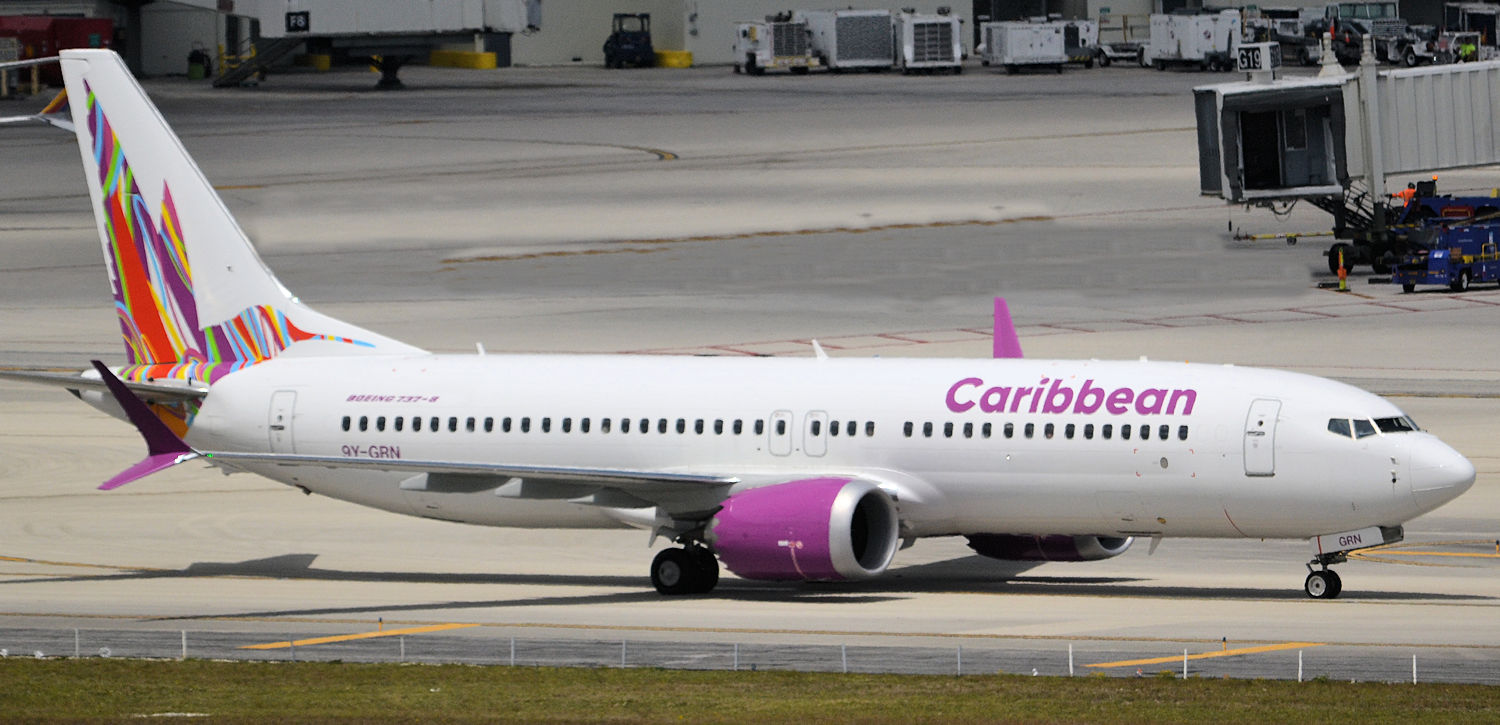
{"x":961,"y":575}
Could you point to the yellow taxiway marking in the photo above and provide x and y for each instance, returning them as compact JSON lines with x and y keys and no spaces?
{"x":1472,"y":554}
{"x":1209,"y":655}
{"x":361,"y":635}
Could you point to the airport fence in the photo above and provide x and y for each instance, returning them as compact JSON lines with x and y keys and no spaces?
{"x":491,"y":646}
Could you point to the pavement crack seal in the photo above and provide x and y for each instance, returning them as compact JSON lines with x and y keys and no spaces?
{"x":628,"y":246}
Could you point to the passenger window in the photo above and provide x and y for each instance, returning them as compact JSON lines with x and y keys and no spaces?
{"x":469,"y":425}
{"x":1088,"y":431}
{"x":870,"y":429}
{"x":1048,"y":430}
{"x":853,"y":429}
{"x":816,"y":428}
{"x":833,"y":428}
{"x":1363,"y":428}
{"x":605,"y":423}
{"x":760,"y":427}
{"x":546,"y":424}
{"x":661,"y":426}
{"x":489,"y":424}
{"x":380,"y":423}
{"x":927,"y":429}
{"x":1124,"y":432}
{"x":984,"y":430}
{"x":947,"y":430}
{"x":698,"y":426}
{"x":567,"y":425}
{"x":583,"y":425}
{"x":398,"y":423}
{"x":416,"y":423}
{"x":781,"y":427}
{"x":526,"y":424}
{"x":453,"y":424}
{"x":364,"y":423}
{"x":434,"y":424}
{"x":739,"y":426}
{"x":1010,"y":430}
{"x":1164,"y":432}
{"x":1106,"y":430}
{"x":1030,"y":430}
{"x":719,"y":427}
{"x":346,"y":422}
{"x":1182,"y":432}
{"x":1145,"y":432}
{"x":904,"y":429}
{"x":505,"y":424}
{"x":1068,"y":431}
{"x":624,"y":425}
{"x":645,"y":426}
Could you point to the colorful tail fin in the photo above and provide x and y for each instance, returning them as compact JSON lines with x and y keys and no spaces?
{"x":194,"y":299}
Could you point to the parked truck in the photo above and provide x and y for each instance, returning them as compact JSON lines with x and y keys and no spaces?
{"x":1456,"y":256}
{"x":1206,"y":40}
{"x":850,"y":39}
{"x":1016,"y":45}
{"x":777,"y":43}
{"x":929,"y":43}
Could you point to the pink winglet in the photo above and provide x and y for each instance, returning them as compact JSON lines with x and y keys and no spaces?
{"x":1007,"y":343}
{"x":163,"y":448}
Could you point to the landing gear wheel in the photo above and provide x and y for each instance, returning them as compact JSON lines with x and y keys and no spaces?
{"x":1324,"y":584}
{"x":708,"y":570}
{"x":674,"y":572}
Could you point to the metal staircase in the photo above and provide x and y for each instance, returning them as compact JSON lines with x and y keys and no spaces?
{"x":235,"y":69}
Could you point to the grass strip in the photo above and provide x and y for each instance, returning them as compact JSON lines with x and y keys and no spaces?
{"x":98,"y":690}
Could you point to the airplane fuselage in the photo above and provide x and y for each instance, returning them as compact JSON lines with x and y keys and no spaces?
{"x":964,"y":446}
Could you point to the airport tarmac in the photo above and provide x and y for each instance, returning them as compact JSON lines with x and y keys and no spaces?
{"x":694,"y":211}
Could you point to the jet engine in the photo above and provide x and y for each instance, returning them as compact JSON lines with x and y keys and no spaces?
{"x":1049,"y":547}
{"x":812,"y":529}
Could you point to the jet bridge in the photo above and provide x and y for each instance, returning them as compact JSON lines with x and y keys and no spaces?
{"x":1332,"y":140}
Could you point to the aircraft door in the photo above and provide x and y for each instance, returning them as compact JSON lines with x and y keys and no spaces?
{"x":1260,"y":437}
{"x":815,"y":434}
{"x":779,"y":440}
{"x":279,"y":421}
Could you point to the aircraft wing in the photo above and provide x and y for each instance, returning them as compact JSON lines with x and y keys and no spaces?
{"x":148,"y":392}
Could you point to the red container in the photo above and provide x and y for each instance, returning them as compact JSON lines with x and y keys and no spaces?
{"x":42,"y":36}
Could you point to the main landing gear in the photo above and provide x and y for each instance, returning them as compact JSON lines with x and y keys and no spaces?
{"x":689,"y":570}
{"x":1323,"y":583}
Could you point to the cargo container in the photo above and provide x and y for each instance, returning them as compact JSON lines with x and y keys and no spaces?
{"x":1204,"y":40}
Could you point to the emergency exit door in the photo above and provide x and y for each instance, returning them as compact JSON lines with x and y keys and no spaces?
{"x":279,"y":421}
{"x":1260,"y":438}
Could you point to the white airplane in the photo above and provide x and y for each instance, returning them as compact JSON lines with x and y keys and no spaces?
{"x":780,"y":469}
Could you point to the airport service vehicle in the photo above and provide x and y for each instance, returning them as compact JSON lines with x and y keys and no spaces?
{"x":850,"y":39}
{"x":1081,"y":43}
{"x":1015,"y":45}
{"x":929,"y":43}
{"x":795,"y":469}
{"x":1455,"y":256}
{"x":629,"y":42}
{"x":776,"y":44}
{"x":1206,"y":40}
{"x":1411,"y":229}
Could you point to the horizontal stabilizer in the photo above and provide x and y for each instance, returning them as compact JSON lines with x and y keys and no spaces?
{"x":163,"y":448}
{"x":160,"y":392}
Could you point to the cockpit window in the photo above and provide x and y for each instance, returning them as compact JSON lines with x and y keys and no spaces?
{"x":1363,"y":428}
{"x":1396,"y":425}
{"x":1339,"y":426}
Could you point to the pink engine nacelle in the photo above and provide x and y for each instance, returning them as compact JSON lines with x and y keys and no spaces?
{"x":1048,"y":547}
{"x":816,"y":529}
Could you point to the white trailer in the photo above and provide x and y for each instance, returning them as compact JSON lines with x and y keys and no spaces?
{"x":929,"y":43}
{"x":1205,"y":40}
{"x":772,"y":45}
{"x":845,"y":39}
{"x":1015,"y":45}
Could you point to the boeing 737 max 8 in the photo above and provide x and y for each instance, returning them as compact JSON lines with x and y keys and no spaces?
{"x":792,"y":469}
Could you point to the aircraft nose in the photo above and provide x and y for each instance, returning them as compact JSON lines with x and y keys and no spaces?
{"x":1438,"y":473}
